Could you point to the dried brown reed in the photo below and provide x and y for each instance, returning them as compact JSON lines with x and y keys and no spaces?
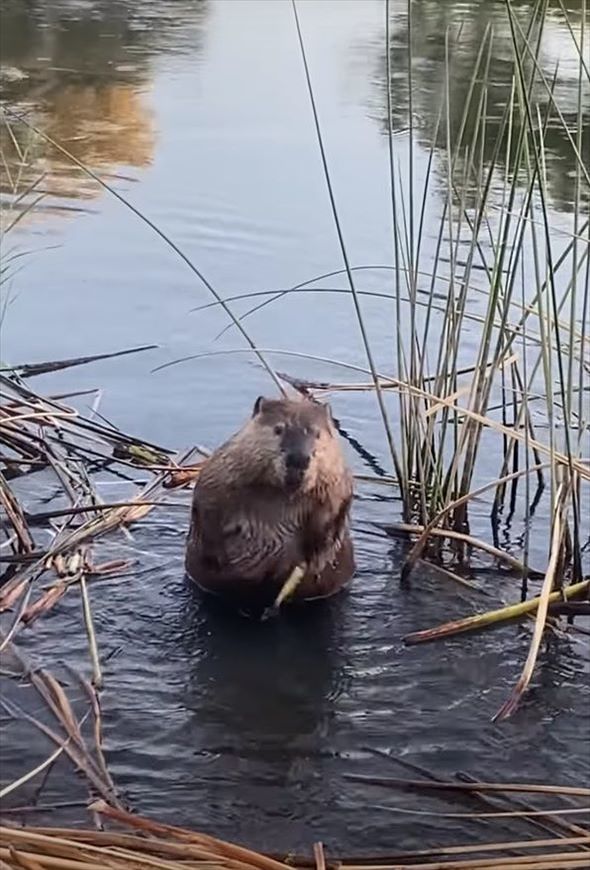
{"x":136,"y":843}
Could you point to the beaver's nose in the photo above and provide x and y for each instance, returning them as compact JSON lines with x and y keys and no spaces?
{"x":297,"y":459}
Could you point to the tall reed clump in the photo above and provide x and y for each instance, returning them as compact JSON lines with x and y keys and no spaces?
{"x":465,"y":391}
{"x":500,"y":365}
{"x":509,"y":356}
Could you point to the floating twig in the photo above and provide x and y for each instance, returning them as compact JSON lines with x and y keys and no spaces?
{"x":29,"y":370}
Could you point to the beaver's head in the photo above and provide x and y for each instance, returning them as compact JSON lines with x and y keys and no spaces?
{"x":291,"y":432}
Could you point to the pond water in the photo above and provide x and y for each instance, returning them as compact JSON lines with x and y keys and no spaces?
{"x":197,"y":112}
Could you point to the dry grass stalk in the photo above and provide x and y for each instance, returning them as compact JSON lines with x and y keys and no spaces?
{"x":15,"y":516}
{"x":223,"y":849}
{"x":34,"y":772}
{"x":92,"y":644}
{"x":501,"y":555}
{"x":166,"y":847}
{"x":90,"y":762}
{"x":418,"y":547}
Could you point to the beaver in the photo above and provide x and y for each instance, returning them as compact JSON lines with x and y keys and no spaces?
{"x":272,"y":501}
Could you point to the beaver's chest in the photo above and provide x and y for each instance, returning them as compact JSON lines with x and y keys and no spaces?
{"x":250,"y":549}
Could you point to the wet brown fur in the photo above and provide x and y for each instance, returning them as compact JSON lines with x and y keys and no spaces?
{"x":251,"y":525}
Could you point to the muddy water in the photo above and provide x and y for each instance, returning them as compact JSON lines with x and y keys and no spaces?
{"x":197,"y":113}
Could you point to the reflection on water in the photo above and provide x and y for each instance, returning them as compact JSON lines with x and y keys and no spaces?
{"x":455,"y":39}
{"x":85,"y":70}
{"x":82,"y":73}
{"x":124,"y":136}
{"x":251,"y":692}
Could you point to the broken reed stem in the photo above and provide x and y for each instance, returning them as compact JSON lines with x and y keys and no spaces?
{"x":15,"y":515}
{"x":418,"y":547}
{"x":96,"y":711}
{"x":75,"y":747}
{"x":496,"y":814}
{"x":493,"y":617}
{"x":228,"y":850}
{"x":92,"y":644}
{"x":172,"y":849}
{"x":29,"y":370}
{"x":477,"y":543}
{"x":42,"y":517}
{"x":496,"y":801}
{"x":32,"y":773}
{"x":508,"y":708}
{"x":565,"y":827}
{"x":319,"y":856}
{"x":385,"y":861}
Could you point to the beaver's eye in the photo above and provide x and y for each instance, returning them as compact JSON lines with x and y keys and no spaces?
{"x":279,"y":429}
{"x":316,"y":433}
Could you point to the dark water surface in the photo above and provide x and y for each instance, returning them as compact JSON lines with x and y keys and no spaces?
{"x":197,"y":112}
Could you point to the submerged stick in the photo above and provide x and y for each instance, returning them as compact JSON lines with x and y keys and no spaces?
{"x":492,"y":617}
{"x":565,"y":828}
{"x":496,"y":802}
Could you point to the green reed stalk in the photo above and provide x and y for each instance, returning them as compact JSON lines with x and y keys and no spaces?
{"x":401,"y":367}
{"x":355,"y":297}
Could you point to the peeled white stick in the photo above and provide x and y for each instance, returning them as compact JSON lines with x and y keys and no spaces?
{"x":286,"y":590}
{"x":290,"y":585}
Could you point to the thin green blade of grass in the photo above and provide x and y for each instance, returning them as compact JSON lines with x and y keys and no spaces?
{"x":355,"y":298}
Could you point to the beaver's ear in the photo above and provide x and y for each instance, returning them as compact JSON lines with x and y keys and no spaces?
{"x":258,"y":406}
